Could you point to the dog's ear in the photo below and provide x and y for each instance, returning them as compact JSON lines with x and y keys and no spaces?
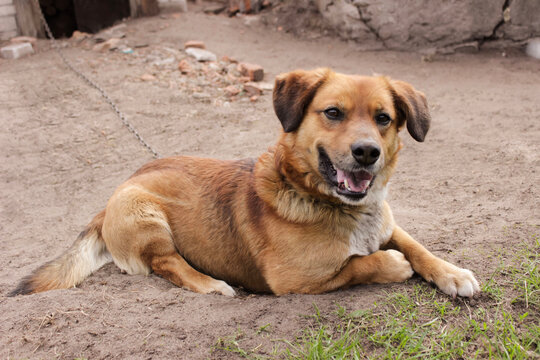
{"x":293,"y":93}
{"x":412,"y":108}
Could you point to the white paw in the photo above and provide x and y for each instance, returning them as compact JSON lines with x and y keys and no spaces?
{"x":399,"y":266}
{"x":223,"y":288}
{"x":456,"y":281}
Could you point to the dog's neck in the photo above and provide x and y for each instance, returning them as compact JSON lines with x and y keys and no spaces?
{"x":297,"y":194}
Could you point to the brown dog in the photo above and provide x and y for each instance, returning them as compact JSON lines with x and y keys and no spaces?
{"x":309,"y":216}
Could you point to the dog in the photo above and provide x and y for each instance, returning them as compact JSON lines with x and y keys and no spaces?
{"x":308,"y":216}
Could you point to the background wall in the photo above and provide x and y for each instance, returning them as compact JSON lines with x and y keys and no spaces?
{"x":8,"y":25}
{"x":415,"y":24}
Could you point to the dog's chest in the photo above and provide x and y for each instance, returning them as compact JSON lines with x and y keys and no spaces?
{"x":371,"y":231}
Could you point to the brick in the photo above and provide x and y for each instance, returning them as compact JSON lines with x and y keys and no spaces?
{"x":194,"y":44}
{"x":22,"y":39}
{"x":16,"y":51}
{"x":252,"y":89}
{"x":6,"y":10}
{"x":232,"y":90}
{"x":253,"y":71}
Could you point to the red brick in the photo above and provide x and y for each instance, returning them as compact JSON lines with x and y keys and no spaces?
{"x":253,"y":71}
{"x":252,"y":89}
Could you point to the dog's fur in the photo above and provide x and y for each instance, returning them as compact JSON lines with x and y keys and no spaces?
{"x":308,"y":216}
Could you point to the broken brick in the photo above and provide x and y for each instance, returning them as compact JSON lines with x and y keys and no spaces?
{"x":253,"y":71}
{"x":252,"y":89}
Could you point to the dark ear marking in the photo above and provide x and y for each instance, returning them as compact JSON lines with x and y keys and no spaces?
{"x":412,"y":108}
{"x":293,"y":93}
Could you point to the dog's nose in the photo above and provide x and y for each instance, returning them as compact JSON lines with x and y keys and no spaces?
{"x":365,"y":153}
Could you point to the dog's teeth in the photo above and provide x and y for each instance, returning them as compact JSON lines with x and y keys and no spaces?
{"x":347,"y":184}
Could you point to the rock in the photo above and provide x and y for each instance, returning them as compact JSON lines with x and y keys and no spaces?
{"x":251,"y":20}
{"x":162,"y":62}
{"x":252,"y":89}
{"x":533,"y":48}
{"x":201,"y":95}
{"x":194,"y":44}
{"x":201,"y":54}
{"x":214,"y":9}
{"x":244,"y":6}
{"x":110,"y":44}
{"x":184,"y":67}
{"x":254,"y":98}
{"x":232,"y":90}
{"x":148,"y":77}
{"x":172,"y":6}
{"x":23,"y":39}
{"x":79,"y":35}
{"x":266,"y":86}
{"x":229,"y":59}
{"x":253,"y":71}
{"x":15,"y":51}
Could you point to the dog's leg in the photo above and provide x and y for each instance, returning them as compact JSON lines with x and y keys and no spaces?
{"x":380,"y":267}
{"x":139,"y":238}
{"x":451,"y":279}
{"x":161,"y":255}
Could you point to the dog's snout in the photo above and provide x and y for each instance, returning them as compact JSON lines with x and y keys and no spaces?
{"x":365,"y":153}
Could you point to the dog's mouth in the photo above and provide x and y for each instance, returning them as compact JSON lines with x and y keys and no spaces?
{"x":351,"y":184}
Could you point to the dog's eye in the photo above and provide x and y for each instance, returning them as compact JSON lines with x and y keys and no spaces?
{"x":382,"y":119}
{"x":333,"y":113}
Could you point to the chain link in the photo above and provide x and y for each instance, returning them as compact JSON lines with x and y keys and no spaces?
{"x":92,"y":83}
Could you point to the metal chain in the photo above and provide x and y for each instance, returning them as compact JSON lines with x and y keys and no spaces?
{"x":92,"y":83}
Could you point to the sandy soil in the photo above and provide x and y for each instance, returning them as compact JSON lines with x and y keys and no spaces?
{"x":64,"y":152}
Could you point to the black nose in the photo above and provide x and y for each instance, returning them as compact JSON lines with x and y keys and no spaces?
{"x":366,"y":153}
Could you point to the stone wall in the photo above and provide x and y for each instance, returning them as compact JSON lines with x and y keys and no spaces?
{"x":415,"y":24}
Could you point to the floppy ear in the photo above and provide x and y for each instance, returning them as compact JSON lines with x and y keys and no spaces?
{"x":293,"y":93}
{"x":412,"y":108}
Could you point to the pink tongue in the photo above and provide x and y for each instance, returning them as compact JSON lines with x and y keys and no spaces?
{"x":358,"y":182}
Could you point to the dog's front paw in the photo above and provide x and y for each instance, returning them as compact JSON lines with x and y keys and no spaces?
{"x":393,"y":268}
{"x":454,"y":281}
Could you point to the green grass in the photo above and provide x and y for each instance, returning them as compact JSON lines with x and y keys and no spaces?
{"x":502,"y":323}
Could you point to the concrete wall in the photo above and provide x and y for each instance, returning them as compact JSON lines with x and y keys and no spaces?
{"x":8,"y":25}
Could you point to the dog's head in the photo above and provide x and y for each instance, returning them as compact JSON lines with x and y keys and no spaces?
{"x":344,"y":128}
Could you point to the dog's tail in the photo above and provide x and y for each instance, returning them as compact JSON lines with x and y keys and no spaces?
{"x":87,"y":254}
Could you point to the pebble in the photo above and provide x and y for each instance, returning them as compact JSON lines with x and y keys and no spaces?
{"x":167,"y":61}
{"x":201,"y":54}
{"x":184,"y":67}
{"x":148,"y":77}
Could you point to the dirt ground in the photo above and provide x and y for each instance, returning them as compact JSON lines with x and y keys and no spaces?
{"x":63,"y":153}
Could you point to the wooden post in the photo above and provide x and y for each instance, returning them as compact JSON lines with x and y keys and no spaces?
{"x":28,"y":19}
{"x":144,"y":7}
